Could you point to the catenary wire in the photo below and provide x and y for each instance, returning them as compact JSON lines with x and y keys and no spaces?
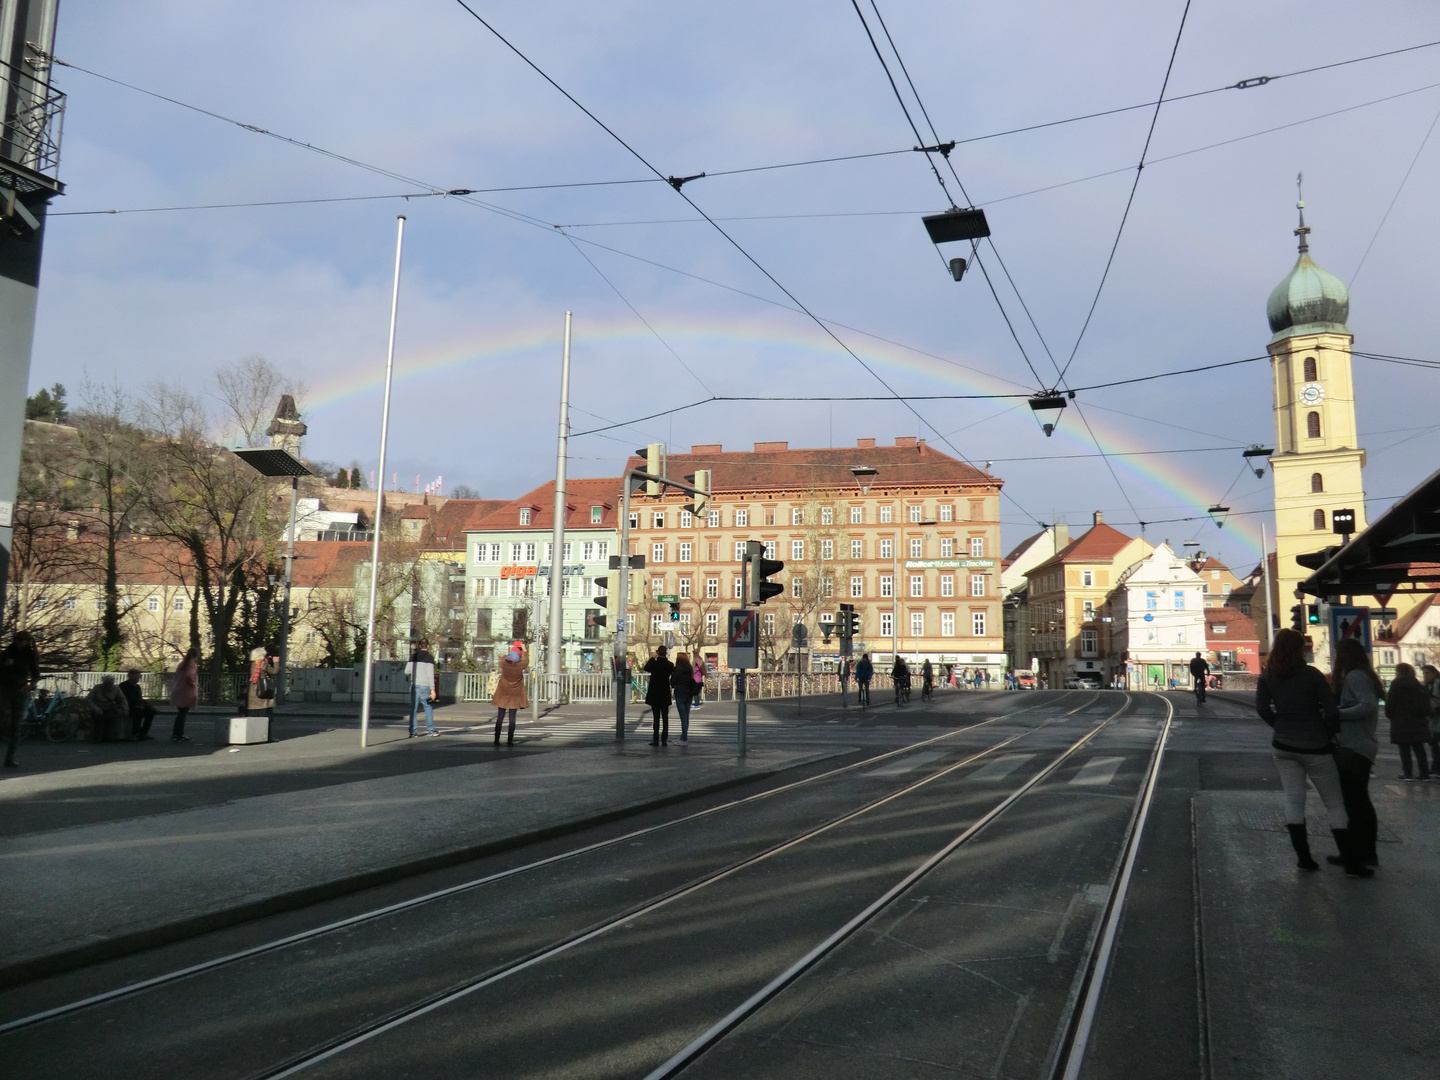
{"x":1393,"y":199}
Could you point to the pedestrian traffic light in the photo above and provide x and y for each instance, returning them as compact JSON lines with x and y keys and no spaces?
{"x":1312,"y":613}
{"x":701,"y":480}
{"x":1297,"y":617}
{"x":758,"y":570}
{"x":674,"y":612}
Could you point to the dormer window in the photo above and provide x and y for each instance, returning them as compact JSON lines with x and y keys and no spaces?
{"x":596,"y":513}
{"x":525,"y":515}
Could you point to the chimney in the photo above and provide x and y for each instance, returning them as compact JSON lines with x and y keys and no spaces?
{"x":1099,"y":518}
{"x":1062,"y":535}
{"x":706,"y":448}
{"x":905,"y":440}
{"x":865,"y":444}
{"x":771,"y":447}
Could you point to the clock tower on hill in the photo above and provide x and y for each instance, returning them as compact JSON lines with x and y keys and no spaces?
{"x":1317,"y":461}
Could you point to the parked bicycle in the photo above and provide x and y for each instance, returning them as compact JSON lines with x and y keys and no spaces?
{"x":52,"y":714}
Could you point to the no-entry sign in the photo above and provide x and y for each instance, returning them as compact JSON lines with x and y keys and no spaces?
{"x":743,"y":638}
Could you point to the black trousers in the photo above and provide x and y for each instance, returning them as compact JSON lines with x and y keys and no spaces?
{"x":1418,"y":749}
{"x":661,"y":722}
{"x":1355,"y":790}
{"x":178,"y":731}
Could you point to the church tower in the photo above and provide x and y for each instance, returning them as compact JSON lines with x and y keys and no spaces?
{"x":1317,"y":461}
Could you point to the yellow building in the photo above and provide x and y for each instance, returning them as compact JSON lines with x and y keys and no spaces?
{"x":1317,"y":460}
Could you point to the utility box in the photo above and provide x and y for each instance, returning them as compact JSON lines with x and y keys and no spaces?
{"x":241,"y":730}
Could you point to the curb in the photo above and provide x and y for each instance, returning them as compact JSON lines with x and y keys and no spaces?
{"x":44,"y":966}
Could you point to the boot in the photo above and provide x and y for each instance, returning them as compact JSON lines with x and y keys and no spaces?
{"x":1349,"y":857}
{"x":1301,"y":842}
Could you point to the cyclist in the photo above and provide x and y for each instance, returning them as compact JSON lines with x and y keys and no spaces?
{"x":1199,"y":675}
{"x":864,"y":672}
{"x":900,"y":676}
{"x":927,"y":681}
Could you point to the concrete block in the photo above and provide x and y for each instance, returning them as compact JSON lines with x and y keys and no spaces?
{"x":241,"y":730}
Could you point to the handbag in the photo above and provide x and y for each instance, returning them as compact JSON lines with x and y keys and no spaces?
{"x":265,"y":687}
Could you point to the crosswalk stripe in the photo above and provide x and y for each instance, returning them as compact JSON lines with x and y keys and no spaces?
{"x":1001,"y":767}
{"x":1098,"y":772}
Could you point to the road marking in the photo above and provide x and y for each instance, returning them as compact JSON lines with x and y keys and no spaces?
{"x":1098,"y":771}
{"x":1001,"y":767}
{"x":906,"y":764}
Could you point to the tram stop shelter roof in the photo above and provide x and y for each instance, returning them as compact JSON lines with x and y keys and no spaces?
{"x":1398,"y":553}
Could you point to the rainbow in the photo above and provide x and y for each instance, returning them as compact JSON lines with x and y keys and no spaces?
{"x":788,"y":344}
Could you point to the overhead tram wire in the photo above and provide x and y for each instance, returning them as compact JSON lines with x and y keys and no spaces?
{"x":1393,"y":200}
{"x":679,"y":190}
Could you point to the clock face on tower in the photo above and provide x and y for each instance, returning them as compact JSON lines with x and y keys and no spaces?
{"x":1312,"y":393}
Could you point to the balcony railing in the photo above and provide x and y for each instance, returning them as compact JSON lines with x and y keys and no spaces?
{"x":33,"y":122}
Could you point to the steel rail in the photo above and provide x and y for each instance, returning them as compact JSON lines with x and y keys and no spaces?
{"x":1080,"y":1022}
{"x":451,"y":890}
{"x":773,"y":988}
{"x":375,"y":1028}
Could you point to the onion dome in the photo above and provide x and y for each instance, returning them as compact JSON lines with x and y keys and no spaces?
{"x":1309,"y":300}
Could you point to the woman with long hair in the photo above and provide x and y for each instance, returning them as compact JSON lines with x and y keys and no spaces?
{"x":682,"y":682}
{"x":185,"y":693}
{"x":1407,"y":706}
{"x":1295,"y":700}
{"x":1358,"y":690}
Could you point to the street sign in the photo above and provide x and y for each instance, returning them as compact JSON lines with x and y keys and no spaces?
{"x":667,"y":598}
{"x":743,"y":635}
{"x":669,"y":639}
{"x":1349,"y":622}
{"x":1384,"y":614}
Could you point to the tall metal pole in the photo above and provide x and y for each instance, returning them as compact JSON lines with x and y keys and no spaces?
{"x":380,"y":494}
{"x":557,"y":546}
{"x":285,"y":610}
{"x":622,"y":666}
{"x":1265,"y":572}
{"x":895,"y":602}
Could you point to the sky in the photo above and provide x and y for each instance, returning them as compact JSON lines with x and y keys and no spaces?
{"x":668,"y":310}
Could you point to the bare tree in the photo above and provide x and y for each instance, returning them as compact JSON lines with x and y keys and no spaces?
{"x":249,"y":389}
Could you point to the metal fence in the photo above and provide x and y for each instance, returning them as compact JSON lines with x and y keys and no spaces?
{"x":571,"y":686}
{"x":155,"y":686}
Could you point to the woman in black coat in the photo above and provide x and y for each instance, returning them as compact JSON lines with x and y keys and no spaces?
{"x":658,"y":695}
{"x":1407,"y":706}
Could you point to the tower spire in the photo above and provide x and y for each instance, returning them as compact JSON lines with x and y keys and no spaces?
{"x":1304,"y":230}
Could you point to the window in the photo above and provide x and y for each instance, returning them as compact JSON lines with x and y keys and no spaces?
{"x":1219,"y":628}
{"x":797,"y":515}
{"x":947,"y":584}
{"x":739,"y":550}
{"x":947,"y":547}
{"x":1087,"y":578}
{"x":712,"y":588}
{"x":1089,"y":642}
{"x":917,"y":584}
{"x":797,"y":587}
{"x":657,"y":519}
{"x":977,"y":623}
{"x":977,"y":547}
{"x":885,"y":512}
{"x":517,"y":586}
{"x":684,"y":624}
{"x":1152,"y":636}
{"x":684,"y":551}
{"x":887,"y":624}
{"x":1317,"y":483}
{"x":712,"y":551}
{"x":529,"y":553}
{"x":742,"y":518}
{"x":1319,"y":519}
{"x":634,"y":519}
{"x":947,"y":513}
{"x":1180,"y":635}
{"x":827,"y":515}
{"x":712,"y":624}
{"x":657,"y":623}
{"x":687,"y":519}
{"x":152,"y":603}
{"x":657,"y":586}
{"x":1087,"y":611}
{"x":178,"y":605}
{"x":602,"y":551}
{"x":977,"y":510}
{"x":797,"y":549}
{"x":887,"y":585}
{"x":70,"y":604}
{"x":827,"y":549}
{"x":917,"y":512}
{"x":739,"y":585}
{"x":947,"y":624}
{"x":857,"y":515}
{"x":516,"y":550}
{"x":596,"y":514}
{"x":887,"y":549}
{"x":684,"y":588}
{"x":917,"y":549}
{"x":917,"y":624}
{"x":1152,"y":601}
{"x":1311,"y":370}
{"x":768,"y":623}
{"x":857,"y":549}
{"x":770,"y":516}
{"x":1312,"y":425}
{"x":494,"y":552}
{"x":525,"y":515}
{"x":1179,"y":600}
{"x":827,"y":587}
{"x":857,"y":586}
{"x":977,"y":584}
{"x":769,"y":549}
{"x":712,"y":519}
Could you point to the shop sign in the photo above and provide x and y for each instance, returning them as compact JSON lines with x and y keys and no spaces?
{"x":517,"y":571}
{"x":949,"y":564}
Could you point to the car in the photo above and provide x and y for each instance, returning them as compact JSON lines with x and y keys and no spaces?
{"x":1084,"y":681}
{"x":1025,"y":680}
{"x":1074,"y":682}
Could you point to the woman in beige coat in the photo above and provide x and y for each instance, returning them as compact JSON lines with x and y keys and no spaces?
{"x":510,"y":690}
{"x":262,"y":667}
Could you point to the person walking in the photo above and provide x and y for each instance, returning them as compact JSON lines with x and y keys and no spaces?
{"x":1358,"y":690}
{"x":864,"y":672}
{"x":1295,"y":700}
{"x":1407,"y":707}
{"x":422,"y":688}
{"x":142,"y":713}
{"x":185,"y":693}
{"x":657,"y":696}
{"x":19,"y":671}
{"x":1432,"y":689}
{"x":682,"y":682}
{"x":260,"y":689}
{"x":510,"y":690}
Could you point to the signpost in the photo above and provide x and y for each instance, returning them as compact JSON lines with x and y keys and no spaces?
{"x":1349,"y":622}
{"x":743,"y":635}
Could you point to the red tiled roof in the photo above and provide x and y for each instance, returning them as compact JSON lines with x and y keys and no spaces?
{"x":328,"y":563}
{"x":580,"y":496}
{"x":1100,"y":543}
{"x":446,"y":528}
{"x":1239,"y":626}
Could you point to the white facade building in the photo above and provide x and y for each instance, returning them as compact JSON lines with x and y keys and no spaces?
{"x":1159,"y":612}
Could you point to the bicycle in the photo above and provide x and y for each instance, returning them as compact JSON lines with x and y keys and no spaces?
{"x":1200,"y":690}
{"x":927,"y":691}
{"x":53,"y":715}
{"x":902,"y":691}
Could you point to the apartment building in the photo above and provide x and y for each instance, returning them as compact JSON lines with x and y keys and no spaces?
{"x":1071,"y":627}
{"x":1159,"y":620}
{"x":908,"y":535}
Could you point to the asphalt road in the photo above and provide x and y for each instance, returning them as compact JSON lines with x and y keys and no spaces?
{"x":974,"y":970}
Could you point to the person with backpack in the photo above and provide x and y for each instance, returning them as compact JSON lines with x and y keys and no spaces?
{"x":1407,"y":707}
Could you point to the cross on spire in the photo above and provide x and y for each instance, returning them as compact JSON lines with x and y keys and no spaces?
{"x":1304,"y":230}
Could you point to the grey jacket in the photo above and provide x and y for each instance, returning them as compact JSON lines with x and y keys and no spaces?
{"x":1359,"y":715}
{"x":1300,"y":709}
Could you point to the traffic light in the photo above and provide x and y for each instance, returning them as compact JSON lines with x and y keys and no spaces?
{"x":701,"y":480}
{"x":758,"y":570}
{"x":849,"y":627}
{"x":607,"y":596}
{"x":674,"y":612}
{"x":1312,"y":614}
{"x":1297,"y":618}
{"x":651,"y":453}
